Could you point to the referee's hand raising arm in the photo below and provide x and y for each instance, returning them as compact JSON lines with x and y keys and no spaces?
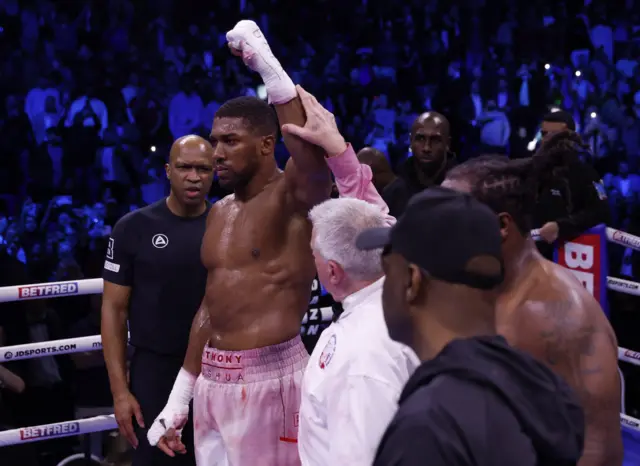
{"x":115,"y":303}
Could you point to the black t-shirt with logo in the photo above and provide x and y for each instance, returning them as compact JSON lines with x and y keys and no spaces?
{"x":157,"y":254}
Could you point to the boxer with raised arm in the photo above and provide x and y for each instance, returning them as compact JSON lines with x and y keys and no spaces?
{"x":260,"y":269}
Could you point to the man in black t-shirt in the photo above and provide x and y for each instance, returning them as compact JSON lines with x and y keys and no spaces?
{"x":154,"y":279}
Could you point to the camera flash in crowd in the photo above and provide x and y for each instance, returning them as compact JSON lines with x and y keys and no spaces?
{"x":153,"y":148}
{"x":578,"y":73}
{"x":547,"y":66}
{"x":594,"y":114}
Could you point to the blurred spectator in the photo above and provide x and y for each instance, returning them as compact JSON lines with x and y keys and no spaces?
{"x":495,"y":129}
{"x":380,"y":167}
{"x":185,"y":109}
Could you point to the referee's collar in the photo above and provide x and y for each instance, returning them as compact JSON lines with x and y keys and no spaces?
{"x":354,"y":300}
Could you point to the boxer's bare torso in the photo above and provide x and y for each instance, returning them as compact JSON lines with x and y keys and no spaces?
{"x":547,"y":312}
{"x":260,"y":268}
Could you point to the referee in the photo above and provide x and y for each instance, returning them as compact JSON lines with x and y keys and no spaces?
{"x":154,"y":280}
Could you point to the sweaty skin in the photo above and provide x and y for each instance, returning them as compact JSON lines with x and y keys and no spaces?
{"x":548,"y":313}
{"x":256,"y":249}
{"x":544,"y":310}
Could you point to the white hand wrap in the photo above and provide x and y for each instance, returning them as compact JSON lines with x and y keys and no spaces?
{"x":176,"y":412}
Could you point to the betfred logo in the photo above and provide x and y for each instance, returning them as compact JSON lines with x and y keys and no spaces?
{"x":50,"y":431}
{"x":632,"y":354}
{"x":626,"y":239}
{"x":38,"y":291}
{"x":582,"y":257}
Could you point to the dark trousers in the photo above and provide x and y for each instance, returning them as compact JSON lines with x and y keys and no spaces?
{"x":152,"y":376}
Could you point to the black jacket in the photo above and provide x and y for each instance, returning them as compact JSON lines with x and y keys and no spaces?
{"x":576,"y":201}
{"x":397,"y":193}
{"x":481,"y":402}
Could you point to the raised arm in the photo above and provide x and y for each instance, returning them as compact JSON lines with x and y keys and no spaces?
{"x":307,"y":175}
{"x":353,"y":179}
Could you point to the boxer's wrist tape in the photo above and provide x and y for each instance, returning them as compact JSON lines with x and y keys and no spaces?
{"x":280,"y":90}
{"x":182,"y":391}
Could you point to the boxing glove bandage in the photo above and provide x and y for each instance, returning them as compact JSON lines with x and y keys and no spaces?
{"x":176,"y":412}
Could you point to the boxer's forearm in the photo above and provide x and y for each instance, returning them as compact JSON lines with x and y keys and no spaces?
{"x":198,"y":337}
{"x":114,"y":347}
{"x":308,"y":157}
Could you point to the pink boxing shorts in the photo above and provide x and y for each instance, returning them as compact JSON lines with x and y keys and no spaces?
{"x":246,"y":406}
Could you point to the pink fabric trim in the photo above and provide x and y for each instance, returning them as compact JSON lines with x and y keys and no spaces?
{"x":354,"y":179}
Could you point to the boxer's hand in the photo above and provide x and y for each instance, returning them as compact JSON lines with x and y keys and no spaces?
{"x":166,"y":430}
{"x":171,"y":443}
{"x":247,"y":41}
{"x":320,"y":128}
{"x":126,"y":407}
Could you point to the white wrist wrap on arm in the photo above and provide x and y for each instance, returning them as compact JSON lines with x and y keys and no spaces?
{"x":182,"y":391}
{"x":176,"y":411}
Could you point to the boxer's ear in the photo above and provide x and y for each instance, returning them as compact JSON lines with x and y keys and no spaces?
{"x":267,"y":145}
{"x":506,"y":224}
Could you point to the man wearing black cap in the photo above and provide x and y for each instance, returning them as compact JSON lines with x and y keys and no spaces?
{"x":475,"y":400}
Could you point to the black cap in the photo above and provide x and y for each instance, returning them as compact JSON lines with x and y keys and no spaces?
{"x":441,"y":231}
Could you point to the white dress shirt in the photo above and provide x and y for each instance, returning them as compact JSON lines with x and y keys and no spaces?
{"x":352,"y":384}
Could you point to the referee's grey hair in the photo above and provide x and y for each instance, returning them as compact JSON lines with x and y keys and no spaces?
{"x":336,"y":224}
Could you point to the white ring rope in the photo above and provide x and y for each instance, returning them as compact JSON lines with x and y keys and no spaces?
{"x":57,"y":430}
{"x":94,"y":343}
{"x":613,"y":236}
{"x":50,"y":290}
{"x":50,"y":348}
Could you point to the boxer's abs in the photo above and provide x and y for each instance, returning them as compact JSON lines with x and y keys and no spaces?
{"x":253,"y":307}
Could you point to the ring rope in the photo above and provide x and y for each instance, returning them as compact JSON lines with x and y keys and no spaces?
{"x":58,"y":430}
{"x":613,"y":236}
{"x":94,"y":343}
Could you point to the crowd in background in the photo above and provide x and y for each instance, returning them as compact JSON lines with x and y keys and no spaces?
{"x":95,"y":92}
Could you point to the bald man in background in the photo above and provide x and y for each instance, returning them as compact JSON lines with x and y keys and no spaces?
{"x":154,"y":280}
{"x":380,"y":167}
{"x":431,"y":159}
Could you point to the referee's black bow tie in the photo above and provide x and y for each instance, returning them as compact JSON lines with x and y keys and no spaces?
{"x":337,"y":311}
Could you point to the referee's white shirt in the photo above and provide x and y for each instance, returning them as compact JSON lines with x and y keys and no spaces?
{"x":352,"y":383}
